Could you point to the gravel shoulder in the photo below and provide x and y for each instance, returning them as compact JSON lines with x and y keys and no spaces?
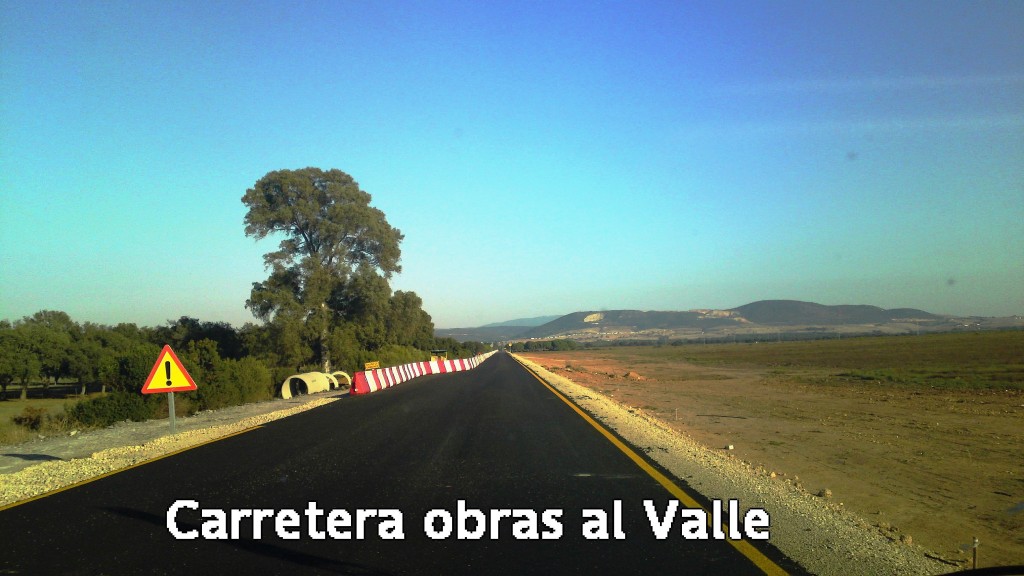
{"x":816,"y":532}
{"x":33,"y":468}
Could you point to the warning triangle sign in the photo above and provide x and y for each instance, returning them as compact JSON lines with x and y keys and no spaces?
{"x":168,"y":375}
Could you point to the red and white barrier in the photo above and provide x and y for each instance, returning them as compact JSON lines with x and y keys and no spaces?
{"x":375,"y":380}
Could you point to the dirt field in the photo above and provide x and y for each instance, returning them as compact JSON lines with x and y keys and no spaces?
{"x":938,"y":466}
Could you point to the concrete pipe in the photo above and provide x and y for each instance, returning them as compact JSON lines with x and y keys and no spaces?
{"x":308,"y":383}
{"x":339,"y":376}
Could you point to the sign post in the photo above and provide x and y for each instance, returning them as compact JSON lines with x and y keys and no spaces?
{"x":167,"y":377}
{"x":170,"y":410}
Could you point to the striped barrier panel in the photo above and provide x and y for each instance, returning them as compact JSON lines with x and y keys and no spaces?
{"x":370,"y":380}
{"x":378,"y":379}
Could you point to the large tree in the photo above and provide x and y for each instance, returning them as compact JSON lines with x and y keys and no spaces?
{"x":54,"y":335}
{"x":19,"y":358}
{"x":329,"y":234}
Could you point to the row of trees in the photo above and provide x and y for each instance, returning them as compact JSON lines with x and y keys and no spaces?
{"x":544,"y":345}
{"x":50,"y":347}
{"x":458,"y":349}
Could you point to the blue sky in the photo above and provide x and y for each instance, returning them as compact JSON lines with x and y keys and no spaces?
{"x":540,"y":157}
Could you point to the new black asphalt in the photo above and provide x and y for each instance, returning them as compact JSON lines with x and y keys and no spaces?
{"x":494,"y":438}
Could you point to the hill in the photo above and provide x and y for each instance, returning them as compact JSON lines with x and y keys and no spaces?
{"x":624,"y":321}
{"x":757,"y":318}
{"x":762,"y":317}
{"x":482,"y":334}
{"x":793,"y":312}
{"x":523,"y":322}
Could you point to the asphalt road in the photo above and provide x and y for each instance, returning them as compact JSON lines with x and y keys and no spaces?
{"x":494,"y":438}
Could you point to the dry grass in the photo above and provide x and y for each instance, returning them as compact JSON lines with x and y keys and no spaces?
{"x":11,"y":433}
{"x":976,"y":360}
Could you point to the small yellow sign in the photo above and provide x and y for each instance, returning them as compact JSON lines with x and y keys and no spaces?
{"x":372,"y":365}
{"x":168,"y":375}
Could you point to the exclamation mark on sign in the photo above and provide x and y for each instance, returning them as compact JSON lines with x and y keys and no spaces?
{"x":167,"y":369}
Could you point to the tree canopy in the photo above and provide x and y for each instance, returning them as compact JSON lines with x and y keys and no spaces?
{"x":328,"y":282}
{"x":326,"y":219}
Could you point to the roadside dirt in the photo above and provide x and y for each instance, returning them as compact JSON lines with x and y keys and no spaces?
{"x":32,"y":468}
{"x":935,"y":468}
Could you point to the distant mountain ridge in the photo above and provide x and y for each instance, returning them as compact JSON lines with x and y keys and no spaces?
{"x":777,"y":313}
{"x":763,"y":314}
{"x":483,"y":333}
{"x":535,"y":321}
{"x":796,"y":312}
{"x":626,"y":321}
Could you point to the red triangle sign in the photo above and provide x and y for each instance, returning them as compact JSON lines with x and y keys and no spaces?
{"x":168,"y":375}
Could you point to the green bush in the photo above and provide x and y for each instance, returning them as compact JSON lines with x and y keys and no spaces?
{"x":215,"y":395}
{"x":133,"y":367}
{"x":114,"y":407}
{"x":236,"y":382}
{"x":185,"y":405}
{"x":277,"y":375}
{"x":393,"y":355}
{"x":255,"y":380}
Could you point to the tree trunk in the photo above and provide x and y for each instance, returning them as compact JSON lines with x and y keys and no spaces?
{"x":325,"y":352}
{"x":326,"y":359}
{"x":24,"y":390}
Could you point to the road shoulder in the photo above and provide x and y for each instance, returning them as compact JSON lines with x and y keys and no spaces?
{"x":31,"y":469}
{"x":822,"y":536}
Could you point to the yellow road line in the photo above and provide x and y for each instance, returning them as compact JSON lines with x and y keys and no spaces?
{"x":742,"y":546}
{"x":112,"y":472}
